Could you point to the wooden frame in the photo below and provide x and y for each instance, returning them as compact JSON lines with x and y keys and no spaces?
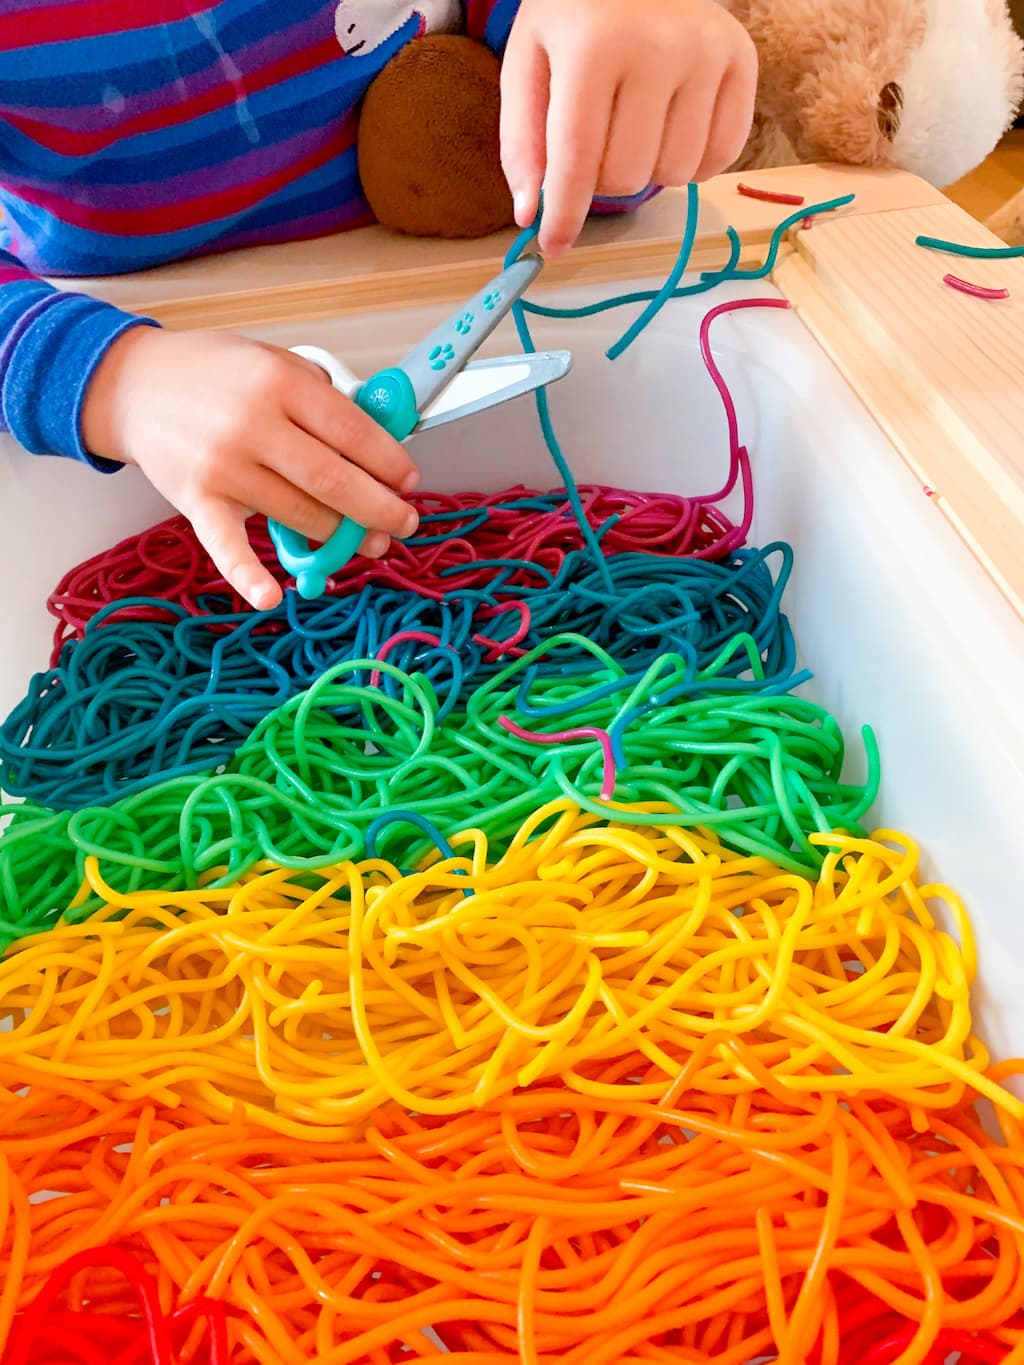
{"x":941,"y":372}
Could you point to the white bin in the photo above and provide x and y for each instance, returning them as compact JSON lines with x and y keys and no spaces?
{"x":903,"y":629}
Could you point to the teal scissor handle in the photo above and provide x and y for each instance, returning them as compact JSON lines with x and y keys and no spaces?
{"x":396,"y":398}
{"x":389,"y":399}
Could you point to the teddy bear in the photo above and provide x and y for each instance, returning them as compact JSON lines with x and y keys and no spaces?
{"x":927,"y":86}
{"x":428,"y":141}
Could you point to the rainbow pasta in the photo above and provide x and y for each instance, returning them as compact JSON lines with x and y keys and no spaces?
{"x":135,"y":701}
{"x":704,"y":748}
{"x":312,"y":999}
{"x":490,"y":962}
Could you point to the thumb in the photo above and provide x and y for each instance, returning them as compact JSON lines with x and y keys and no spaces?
{"x":525,"y":85}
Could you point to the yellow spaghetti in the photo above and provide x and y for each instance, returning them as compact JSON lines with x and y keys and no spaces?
{"x":311,"y":1000}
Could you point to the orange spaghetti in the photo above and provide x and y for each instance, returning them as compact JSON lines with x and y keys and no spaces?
{"x":549,"y":1226}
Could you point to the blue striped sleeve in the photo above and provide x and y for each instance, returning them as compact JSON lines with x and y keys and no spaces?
{"x":50,"y":344}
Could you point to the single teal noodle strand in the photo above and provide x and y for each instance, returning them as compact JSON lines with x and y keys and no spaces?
{"x":976,"y":253}
{"x":768,"y":265}
{"x":544,"y":414}
{"x":675,"y":275}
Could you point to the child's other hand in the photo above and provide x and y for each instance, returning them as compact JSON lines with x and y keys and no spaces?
{"x":224,"y":427}
{"x":610,"y":96}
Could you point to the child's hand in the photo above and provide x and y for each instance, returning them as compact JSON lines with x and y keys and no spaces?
{"x":610,"y":96}
{"x":224,"y":427}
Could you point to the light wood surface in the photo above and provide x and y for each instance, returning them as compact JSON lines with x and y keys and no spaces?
{"x":986,"y":192}
{"x":372,"y":268}
{"x":994,"y":192}
{"x":942,"y":373}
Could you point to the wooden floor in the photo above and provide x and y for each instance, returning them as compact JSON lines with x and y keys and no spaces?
{"x":994,"y":193}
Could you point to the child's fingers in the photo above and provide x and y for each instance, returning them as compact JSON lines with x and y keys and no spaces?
{"x":579,"y":115}
{"x":278,"y":498}
{"x":375,"y":545}
{"x":732,"y":117}
{"x":687,"y":129}
{"x":220,"y":526}
{"x":634,"y":141}
{"x":281,"y":501}
{"x":525,"y":80}
{"x":336,"y":422}
{"x":338,"y":483}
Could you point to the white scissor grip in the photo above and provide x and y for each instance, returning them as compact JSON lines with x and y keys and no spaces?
{"x":336,"y":370}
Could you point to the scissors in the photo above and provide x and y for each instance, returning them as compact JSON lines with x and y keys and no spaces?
{"x":436,"y":383}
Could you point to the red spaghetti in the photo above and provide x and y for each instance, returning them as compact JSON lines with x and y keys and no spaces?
{"x":770,"y":196}
{"x":977,"y":291}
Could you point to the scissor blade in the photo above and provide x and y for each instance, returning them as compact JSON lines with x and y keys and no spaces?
{"x":433,"y":364}
{"x":486,"y":383}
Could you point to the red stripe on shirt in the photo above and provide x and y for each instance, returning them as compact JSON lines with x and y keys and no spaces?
{"x":477,"y":14}
{"x":207,"y":208}
{"x":10,"y":273}
{"x":93,"y":18}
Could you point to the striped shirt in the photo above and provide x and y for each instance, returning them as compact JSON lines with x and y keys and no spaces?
{"x":137,"y":132}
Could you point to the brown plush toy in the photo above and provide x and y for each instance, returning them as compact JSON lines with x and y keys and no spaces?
{"x":928,"y":86}
{"x":428,"y":141}
{"x":924,"y":85}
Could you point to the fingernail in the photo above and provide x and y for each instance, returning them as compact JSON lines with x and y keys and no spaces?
{"x":263,"y":596}
{"x":521,"y":204}
{"x":410,"y":483}
{"x":411,"y":523}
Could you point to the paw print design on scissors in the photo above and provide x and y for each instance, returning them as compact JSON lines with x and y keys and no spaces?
{"x":363,"y":26}
{"x":442,"y":356}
